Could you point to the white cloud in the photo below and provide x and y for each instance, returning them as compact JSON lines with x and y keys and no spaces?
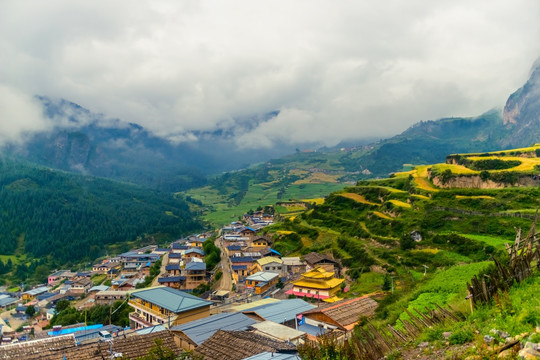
{"x":336,"y":70}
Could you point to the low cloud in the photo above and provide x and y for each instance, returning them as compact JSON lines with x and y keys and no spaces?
{"x":333,"y":71}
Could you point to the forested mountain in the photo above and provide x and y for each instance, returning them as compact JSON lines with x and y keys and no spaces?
{"x":67,"y":218}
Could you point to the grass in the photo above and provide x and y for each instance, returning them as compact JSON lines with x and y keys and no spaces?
{"x":367,"y":283}
{"x":494,"y":241}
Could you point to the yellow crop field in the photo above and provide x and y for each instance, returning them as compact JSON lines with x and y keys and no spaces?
{"x":298,"y":172}
{"x":317,"y":178}
{"x":429,"y":251}
{"x":522,"y":150}
{"x":381,"y":215}
{"x":400,"y":203}
{"x":474,"y":197}
{"x":284,"y":232}
{"x":358,"y":198}
{"x":423,"y":197}
{"x":317,"y":201}
{"x":527,"y":164}
{"x":420,"y":178}
{"x":456,"y":169}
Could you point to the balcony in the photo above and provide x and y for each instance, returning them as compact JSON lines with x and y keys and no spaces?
{"x":145,"y":308}
{"x":139,"y":320}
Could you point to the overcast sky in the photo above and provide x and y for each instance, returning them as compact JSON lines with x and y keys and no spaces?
{"x":334,"y":69}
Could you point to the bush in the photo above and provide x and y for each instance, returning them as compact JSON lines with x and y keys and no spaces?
{"x":461,"y":336}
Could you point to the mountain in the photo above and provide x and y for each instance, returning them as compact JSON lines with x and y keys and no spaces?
{"x":56,"y":218}
{"x":521,"y":116}
{"x":88,"y":143}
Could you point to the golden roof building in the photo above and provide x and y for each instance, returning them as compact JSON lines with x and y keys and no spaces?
{"x":317,"y":283}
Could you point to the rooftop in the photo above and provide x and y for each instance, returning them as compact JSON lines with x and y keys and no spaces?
{"x":171,"y":299}
{"x":238,"y":345}
{"x":269,"y":259}
{"x":36,"y":291}
{"x":281,"y":311}
{"x":263,"y":276}
{"x":273,"y":356}
{"x":200,"y":330}
{"x":347,"y":312}
{"x":195,"y":266}
{"x":277,"y":331}
{"x":239,"y":308}
{"x":241,"y":259}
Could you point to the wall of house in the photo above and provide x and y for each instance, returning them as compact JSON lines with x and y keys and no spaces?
{"x":192,"y":315}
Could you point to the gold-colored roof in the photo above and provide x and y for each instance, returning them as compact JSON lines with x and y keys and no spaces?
{"x":268,"y":260}
{"x":318,"y":273}
{"x":327,"y":284}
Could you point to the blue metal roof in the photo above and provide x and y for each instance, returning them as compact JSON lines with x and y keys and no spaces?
{"x":200,"y":330}
{"x":171,"y":299}
{"x":234,"y":247}
{"x":171,"y":279}
{"x":195,"y":265}
{"x":281,"y":311}
{"x":239,"y":267}
{"x":312,"y":329}
{"x":242,"y":259}
{"x":175,"y":256}
{"x":172,"y":267}
{"x":195,"y":250}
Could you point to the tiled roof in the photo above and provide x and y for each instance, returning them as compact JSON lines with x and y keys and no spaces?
{"x":347,"y":312}
{"x":274,"y":356}
{"x":237,"y":345}
{"x":171,"y":299}
{"x":314,"y":258}
{"x":200,"y":330}
{"x":37,"y":349}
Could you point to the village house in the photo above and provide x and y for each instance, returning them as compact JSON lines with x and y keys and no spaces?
{"x":32,"y":294}
{"x":237,"y":261}
{"x":81,"y":286}
{"x":173,"y":269}
{"x":238,"y":345}
{"x":194,"y":253}
{"x":7,"y":301}
{"x":196,"y":242}
{"x":268,"y":264}
{"x":293,"y":265}
{"x":195,"y":272}
{"x":282,"y":312}
{"x":108,"y":297}
{"x":239,"y":272}
{"x":194,"y":333}
{"x":248,"y":233}
{"x":160,"y":251}
{"x":165,"y":306}
{"x":107,"y":267}
{"x":178,"y":248}
{"x":233,"y":250}
{"x":318,"y":284}
{"x":260,"y":242}
{"x":59,"y":275}
{"x":342,"y":315}
{"x":262,"y":281}
{"x":175,"y":282}
{"x":314,"y":260}
{"x":175,"y":258}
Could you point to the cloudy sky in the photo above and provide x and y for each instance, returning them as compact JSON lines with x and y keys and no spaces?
{"x":334,"y":70}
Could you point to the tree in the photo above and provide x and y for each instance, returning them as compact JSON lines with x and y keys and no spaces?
{"x":387,"y":283}
{"x":406,"y":242}
{"x":30,"y":310}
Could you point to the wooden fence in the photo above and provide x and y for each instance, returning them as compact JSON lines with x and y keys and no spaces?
{"x":523,"y":253}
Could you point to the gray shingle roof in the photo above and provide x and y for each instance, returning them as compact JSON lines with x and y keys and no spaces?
{"x":171,"y":299}
{"x":281,"y":311}
{"x":202,"y":329}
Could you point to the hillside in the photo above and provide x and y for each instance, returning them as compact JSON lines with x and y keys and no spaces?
{"x":422,"y":241}
{"x":51,"y":218}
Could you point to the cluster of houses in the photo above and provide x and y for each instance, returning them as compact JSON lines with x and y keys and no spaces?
{"x":185,"y":267}
{"x":256,"y":267}
{"x":260,"y":330}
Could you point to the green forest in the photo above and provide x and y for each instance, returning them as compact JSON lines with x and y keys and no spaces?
{"x":62,"y":219}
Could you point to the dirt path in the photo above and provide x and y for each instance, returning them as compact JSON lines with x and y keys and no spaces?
{"x":225,"y":282}
{"x":162,"y":271}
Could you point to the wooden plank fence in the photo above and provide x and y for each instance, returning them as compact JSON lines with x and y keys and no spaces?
{"x":523,"y":253}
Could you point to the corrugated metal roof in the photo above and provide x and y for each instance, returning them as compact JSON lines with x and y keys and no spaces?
{"x":241,"y":259}
{"x":282,"y":311}
{"x":251,"y":305}
{"x":275,"y":330}
{"x":262,"y":276}
{"x":171,"y":299}
{"x":268,"y":259}
{"x":202,"y":329}
{"x":190,"y":266}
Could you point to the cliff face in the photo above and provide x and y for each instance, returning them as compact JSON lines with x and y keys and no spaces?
{"x":521,"y":113}
{"x":475,"y":182}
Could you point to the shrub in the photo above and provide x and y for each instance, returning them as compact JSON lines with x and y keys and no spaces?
{"x":461,"y":336}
